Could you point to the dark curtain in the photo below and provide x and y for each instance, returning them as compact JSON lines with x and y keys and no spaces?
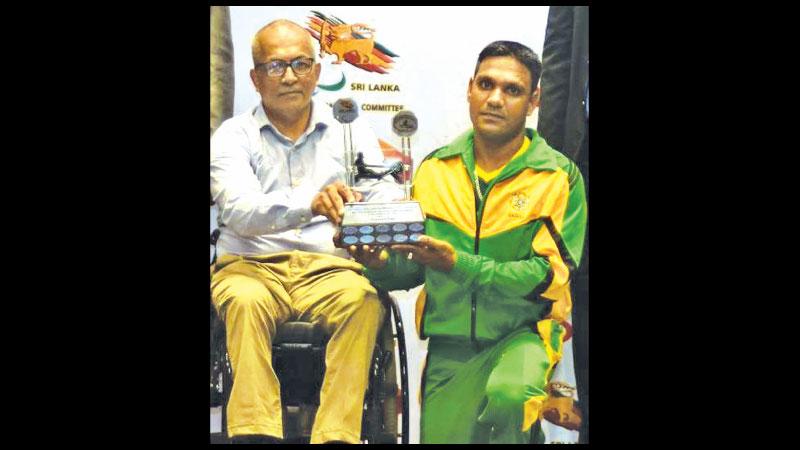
{"x":564,"y":124}
{"x":221,"y":60}
{"x":221,"y":66}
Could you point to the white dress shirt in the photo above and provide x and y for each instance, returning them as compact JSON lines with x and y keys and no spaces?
{"x":263,"y":183}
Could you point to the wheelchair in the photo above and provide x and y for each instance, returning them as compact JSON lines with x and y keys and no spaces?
{"x":298,"y":358}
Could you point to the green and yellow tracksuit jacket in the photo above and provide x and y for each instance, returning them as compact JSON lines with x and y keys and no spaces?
{"x":515,"y":249}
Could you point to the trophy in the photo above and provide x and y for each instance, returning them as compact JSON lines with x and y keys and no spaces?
{"x":369,"y":223}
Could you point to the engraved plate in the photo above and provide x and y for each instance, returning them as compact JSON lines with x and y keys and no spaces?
{"x":381,"y":223}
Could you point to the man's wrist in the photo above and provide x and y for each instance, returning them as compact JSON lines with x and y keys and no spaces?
{"x":452,"y":262}
{"x":465,"y":266}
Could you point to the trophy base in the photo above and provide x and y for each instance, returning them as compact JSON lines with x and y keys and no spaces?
{"x":381,"y":224}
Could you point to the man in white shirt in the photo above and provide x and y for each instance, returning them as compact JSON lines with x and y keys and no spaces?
{"x":276,"y":176}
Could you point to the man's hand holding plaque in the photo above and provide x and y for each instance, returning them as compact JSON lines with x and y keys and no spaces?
{"x":329,"y":201}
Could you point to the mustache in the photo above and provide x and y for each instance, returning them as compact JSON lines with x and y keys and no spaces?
{"x":493,"y":114}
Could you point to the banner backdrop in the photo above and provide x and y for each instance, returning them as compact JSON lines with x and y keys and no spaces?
{"x":421,"y":59}
{"x":418,"y":58}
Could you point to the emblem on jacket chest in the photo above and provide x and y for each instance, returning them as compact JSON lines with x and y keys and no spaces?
{"x":519,"y":202}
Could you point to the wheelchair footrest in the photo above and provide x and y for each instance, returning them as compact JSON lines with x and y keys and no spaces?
{"x":292,"y":346}
{"x":298,"y":422}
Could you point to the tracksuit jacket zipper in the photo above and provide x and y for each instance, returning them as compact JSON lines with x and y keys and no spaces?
{"x":474,"y":311}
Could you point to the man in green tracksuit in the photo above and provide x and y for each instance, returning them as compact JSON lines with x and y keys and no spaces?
{"x":505,"y":224}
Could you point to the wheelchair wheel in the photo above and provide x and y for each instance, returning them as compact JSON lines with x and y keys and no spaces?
{"x":221,"y":377}
{"x":385,"y":404}
{"x":218,"y":361}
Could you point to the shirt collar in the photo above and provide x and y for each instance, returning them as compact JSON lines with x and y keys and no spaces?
{"x":317,"y":119}
{"x":489,"y":175}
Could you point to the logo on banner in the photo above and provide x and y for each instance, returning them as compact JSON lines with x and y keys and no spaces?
{"x":352,"y":43}
{"x":355,"y":44}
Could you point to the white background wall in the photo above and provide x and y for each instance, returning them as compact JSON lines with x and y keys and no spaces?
{"x":437,"y":48}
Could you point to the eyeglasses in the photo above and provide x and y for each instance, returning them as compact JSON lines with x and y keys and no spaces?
{"x":277,"y":67}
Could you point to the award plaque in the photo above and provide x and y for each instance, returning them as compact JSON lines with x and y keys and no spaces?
{"x":382,"y":223}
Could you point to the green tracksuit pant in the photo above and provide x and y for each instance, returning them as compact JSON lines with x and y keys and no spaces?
{"x":480,"y":396}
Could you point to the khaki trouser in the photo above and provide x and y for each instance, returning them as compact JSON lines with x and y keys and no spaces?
{"x":256,"y":294}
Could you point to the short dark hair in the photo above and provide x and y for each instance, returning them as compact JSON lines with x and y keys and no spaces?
{"x":521,"y":53}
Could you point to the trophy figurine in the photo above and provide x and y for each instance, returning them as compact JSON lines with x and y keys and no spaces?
{"x":387,"y":223}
